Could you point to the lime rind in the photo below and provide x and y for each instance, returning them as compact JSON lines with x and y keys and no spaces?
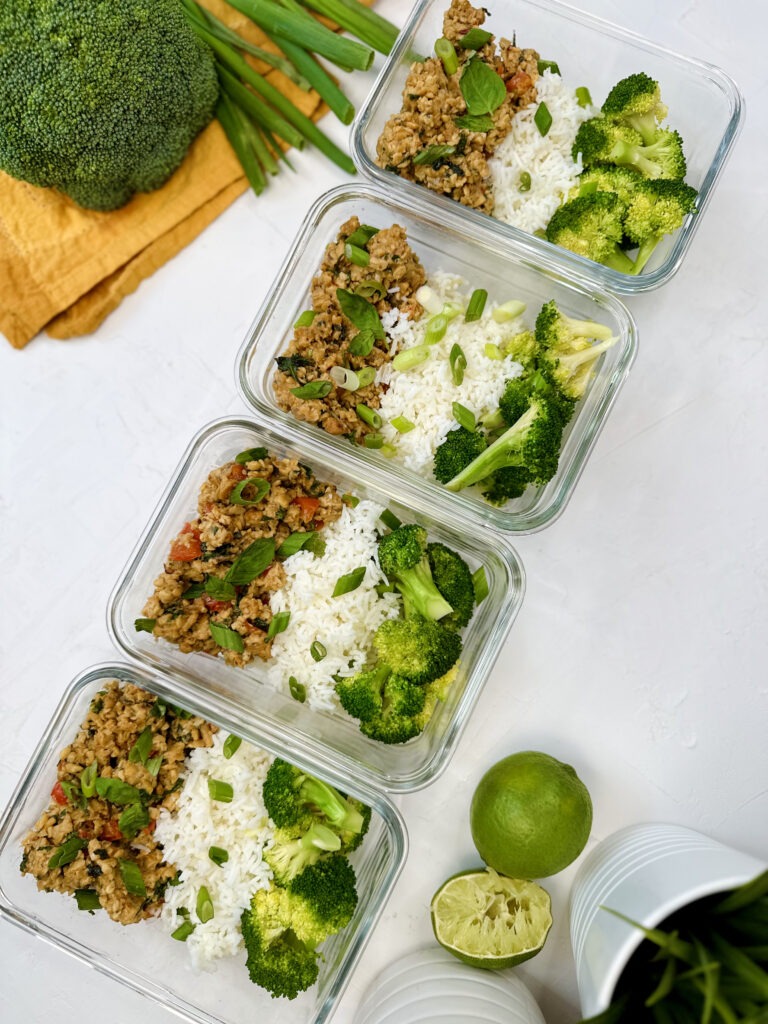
{"x":491,"y":921}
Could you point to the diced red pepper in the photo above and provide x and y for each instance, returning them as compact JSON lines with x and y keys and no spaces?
{"x":58,"y":794}
{"x":308,"y":506}
{"x":187,"y":546}
{"x":111,"y":831}
{"x":213,"y":605}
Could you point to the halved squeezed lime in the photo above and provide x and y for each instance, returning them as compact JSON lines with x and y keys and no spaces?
{"x":490,"y":921}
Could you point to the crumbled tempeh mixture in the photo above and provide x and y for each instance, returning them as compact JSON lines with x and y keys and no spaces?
{"x":389,"y":280}
{"x":88,"y":829}
{"x":432,"y":100}
{"x":245,"y":511}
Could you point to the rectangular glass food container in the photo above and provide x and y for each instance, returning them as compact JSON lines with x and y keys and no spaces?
{"x":143,"y":956}
{"x":240,"y":693}
{"x":705,"y":106}
{"x":445,"y":245}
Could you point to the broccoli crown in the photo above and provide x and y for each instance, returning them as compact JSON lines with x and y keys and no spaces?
{"x":454,"y":581}
{"x":100,"y":100}
{"x":417,"y":648}
{"x":294,"y":799}
{"x":403,"y":559}
{"x":521,"y":347}
{"x":283,"y":966}
{"x":607,"y":178}
{"x":636,"y":100}
{"x":567,"y":356}
{"x":290,"y":854}
{"x":408,"y":709}
{"x":506,"y":484}
{"x":351,"y":840}
{"x":515,"y":399}
{"x":592,"y":226}
{"x":389,"y":706}
{"x":327,"y":891}
{"x":362,"y":695}
{"x":532,"y":442}
{"x":658,"y":208}
{"x":602,"y":141}
{"x":563,"y":335}
{"x":460,"y":447}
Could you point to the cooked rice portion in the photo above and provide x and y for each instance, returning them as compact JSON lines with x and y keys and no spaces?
{"x":118,"y":715}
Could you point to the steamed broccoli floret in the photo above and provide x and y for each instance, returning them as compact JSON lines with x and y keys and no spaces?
{"x":566,"y":352}
{"x":100,"y":100}
{"x":636,"y":101}
{"x":327,"y":894}
{"x":290,"y":854}
{"x":403,"y":560}
{"x":388,"y":705}
{"x":601,"y":141}
{"x":417,"y":648}
{"x":521,"y":347}
{"x":294,"y":799}
{"x":362,"y":695}
{"x":606,"y":178}
{"x":454,"y":581}
{"x":592,"y":226}
{"x":657,"y":209}
{"x":280,"y":963}
{"x":533,"y":442}
{"x":506,"y":484}
{"x":460,"y":447}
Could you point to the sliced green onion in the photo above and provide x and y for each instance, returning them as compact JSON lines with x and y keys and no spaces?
{"x":361,"y":236}
{"x":251,"y":455}
{"x":444,"y":49}
{"x":402,"y":425}
{"x":221,"y":791}
{"x":540,"y":233}
{"x":297,"y":689}
{"x":525,"y":182}
{"x":369,"y":416}
{"x":493,"y":351}
{"x":389,"y":519}
{"x":218,"y":855}
{"x":464,"y":416}
{"x":87,"y":899}
{"x":293,"y":542}
{"x":349,"y":582}
{"x":542,"y":118}
{"x":88,"y":779}
{"x":508,"y":311}
{"x":548,"y":65}
{"x":314,"y":389}
{"x":139,"y":752}
{"x":344,"y":378}
{"x":133,"y":819}
{"x":583,"y":96}
{"x":388,"y":451}
{"x":228,"y":639}
{"x":411,"y":357}
{"x":318,"y":650}
{"x":219,"y":589}
{"x":366,"y":375}
{"x":362,"y":344}
{"x":279,"y":624}
{"x":252,"y":562}
{"x":476,"y":305}
{"x":306,"y":318}
{"x":451,"y":310}
{"x":373,"y":441}
{"x":436,"y":328}
{"x":260,"y":489}
{"x":350,"y":500}
{"x":231,"y":745}
{"x":204,"y":905}
{"x":475,"y":39}
{"x":458,"y":362}
{"x":144,"y":625}
{"x":370,"y":289}
{"x":132,"y":878}
{"x":356,"y":255}
{"x":67,"y":852}
{"x":480,"y":584}
{"x":183,"y":932}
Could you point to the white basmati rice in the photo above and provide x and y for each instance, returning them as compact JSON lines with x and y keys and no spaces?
{"x":241,"y":827}
{"x":547,"y":158}
{"x":344,"y":624}
{"x":425,"y":394}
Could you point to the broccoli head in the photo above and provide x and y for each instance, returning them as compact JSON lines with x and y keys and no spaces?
{"x":327,"y":893}
{"x":592,"y":226}
{"x":607,"y":178}
{"x":403,"y":560}
{"x":362,"y":695}
{"x":289,"y":853}
{"x":506,"y":484}
{"x":100,"y":100}
{"x":278,"y":962}
{"x":636,"y":101}
{"x":294,"y":799}
{"x":402,"y":712}
{"x":417,"y":648}
{"x":460,"y":447}
{"x":601,"y":141}
{"x":567,"y":354}
{"x":454,"y":581}
{"x":657,"y":209}
{"x":521,"y":347}
{"x":533,"y":442}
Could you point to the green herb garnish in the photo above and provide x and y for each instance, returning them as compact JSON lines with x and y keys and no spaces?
{"x":305,"y":319}
{"x":87,"y":899}
{"x":297,"y":689}
{"x":474,"y":122}
{"x":483,"y":90}
{"x":348,"y":582}
{"x":258,"y":488}
{"x":133,"y":819}
{"x":362,"y":344}
{"x":278,"y":624}
{"x":458,"y":363}
{"x":548,"y":65}
{"x":314,"y":389}
{"x":231,"y":745}
{"x":88,"y":779}
{"x":228,"y":639}
{"x":476,"y":305}
{"x":543,"y":119}
{"x":362,"y":314}
{"x":182,"y":933}
{"x":219,"y":589}
{"x":204,"y":905}
{"x":318,"y":650}
{"x":221,"y":791}
{"x":132,"y":878}
{"x":431,"y":154}
{"x":252,"y":562}
{"x":67,"y":852}
{"x":218,"y":855}
{"x":251,"y":455}
{"x":464,"y":416}
{"x":475,"y":39}
{"x":139,"y":752}
{"x":390,"y":520}
{"x":117,"y":792}
{"x":144,"y":625}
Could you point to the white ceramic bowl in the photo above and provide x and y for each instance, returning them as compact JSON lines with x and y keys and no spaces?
{"x":433,"y":987}
{"x":645,"y":872}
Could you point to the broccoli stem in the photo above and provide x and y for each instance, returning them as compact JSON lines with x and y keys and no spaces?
{"x":331,"y":804}
{"x":486,"y":463}
{"x":588,"y":328}
{"x":321,"y":838}
{"x":420,"y":595}
{"x":587,"y":355}
{"x":618,"y":260}
{"x":645,"y":251}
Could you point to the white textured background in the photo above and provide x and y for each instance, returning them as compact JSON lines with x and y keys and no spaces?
{"x":640,"y":651}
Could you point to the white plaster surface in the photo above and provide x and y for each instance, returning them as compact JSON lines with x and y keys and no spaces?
{"x":640,"y":652}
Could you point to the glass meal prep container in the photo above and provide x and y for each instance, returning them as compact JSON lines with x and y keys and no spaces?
{"x":705,"y":106}
{"x":442,"y":243}
{"x":241,"y":694}
{"x":143,"y":956}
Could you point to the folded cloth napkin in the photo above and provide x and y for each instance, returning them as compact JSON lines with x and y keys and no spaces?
{"x":64,"y":269}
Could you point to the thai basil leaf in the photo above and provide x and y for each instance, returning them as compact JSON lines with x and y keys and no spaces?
{"x":257,"y":557}
{"x":362,"y":314}
{"x":483,"y":90}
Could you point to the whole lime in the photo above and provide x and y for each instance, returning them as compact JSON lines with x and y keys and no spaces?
{"x":530,"y":815}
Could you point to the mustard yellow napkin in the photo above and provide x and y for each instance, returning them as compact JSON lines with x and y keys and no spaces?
{"x":64,"y":269}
